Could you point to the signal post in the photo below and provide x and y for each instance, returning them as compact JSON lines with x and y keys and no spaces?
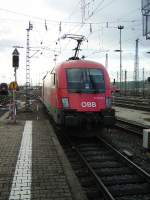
{"x":13,"y":86}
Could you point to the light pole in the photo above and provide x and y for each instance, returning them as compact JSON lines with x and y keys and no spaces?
{"x":120,"y":28}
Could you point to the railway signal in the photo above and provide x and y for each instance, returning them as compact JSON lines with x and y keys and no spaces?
{"x":13,"y":85}
{"x":15,"y":58}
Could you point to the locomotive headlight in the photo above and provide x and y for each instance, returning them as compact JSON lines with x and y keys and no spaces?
{"x":108,"y":102}
{"x":65,"y":102}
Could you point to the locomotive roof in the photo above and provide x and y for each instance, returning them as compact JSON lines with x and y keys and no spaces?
{"x":79,"y":63}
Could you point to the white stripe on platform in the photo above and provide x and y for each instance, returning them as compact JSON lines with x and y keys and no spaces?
{"x":21,"y":185}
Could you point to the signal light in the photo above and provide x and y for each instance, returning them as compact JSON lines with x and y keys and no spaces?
{"x":15,"y":61}
{"x":15,"y":58}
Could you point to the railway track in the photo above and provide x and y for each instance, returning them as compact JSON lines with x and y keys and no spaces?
{"x":104,"y":172}
{"x":140,"y":104}
{"x":130,"y":126}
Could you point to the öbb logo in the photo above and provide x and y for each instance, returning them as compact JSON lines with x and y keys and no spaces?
{"x":87,"y":104}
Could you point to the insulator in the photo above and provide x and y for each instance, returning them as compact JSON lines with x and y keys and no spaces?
{"x":91,"y":28}
{"x":60,"y":27}
{"x":46,"y":26}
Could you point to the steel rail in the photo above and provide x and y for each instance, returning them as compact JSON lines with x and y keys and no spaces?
{"x":131,"y":126}
{"x":101,"y":186}
{"x":132,"y":164}
{"x":99,"y":182}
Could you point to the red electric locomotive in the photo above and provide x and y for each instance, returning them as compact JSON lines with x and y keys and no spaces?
{"x":78,"y":92}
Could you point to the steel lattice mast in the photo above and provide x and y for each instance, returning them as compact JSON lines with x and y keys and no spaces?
{"x":28,"y":64}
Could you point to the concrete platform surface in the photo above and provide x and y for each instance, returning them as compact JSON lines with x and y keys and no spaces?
{"x":33,"y":165}
{"x":138,"y":116}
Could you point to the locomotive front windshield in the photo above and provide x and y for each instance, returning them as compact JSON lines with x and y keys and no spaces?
{"x":89,"y":80}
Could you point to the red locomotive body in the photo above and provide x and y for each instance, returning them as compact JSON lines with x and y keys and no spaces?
{"x":78,"y":92}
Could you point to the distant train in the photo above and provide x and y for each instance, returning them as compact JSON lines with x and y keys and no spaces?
{"x":78,"y":93}
{"x":4,"y":89}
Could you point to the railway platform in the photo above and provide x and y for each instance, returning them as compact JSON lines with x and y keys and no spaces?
{"x":136,"y":116}
{"x":33,"y":165}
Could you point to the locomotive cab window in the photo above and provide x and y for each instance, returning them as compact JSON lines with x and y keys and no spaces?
{"x":89,"y":80}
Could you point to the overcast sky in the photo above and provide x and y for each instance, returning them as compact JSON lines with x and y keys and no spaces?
{"x":51,"y":19}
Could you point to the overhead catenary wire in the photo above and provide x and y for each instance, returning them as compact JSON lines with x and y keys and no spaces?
{"x":73,"y":10}
{"x":75,"y":25}
{"x":131,"y":21}
{"x":97,"y":9}
{"x":50,"y":21}
{"x":80,"y":27}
